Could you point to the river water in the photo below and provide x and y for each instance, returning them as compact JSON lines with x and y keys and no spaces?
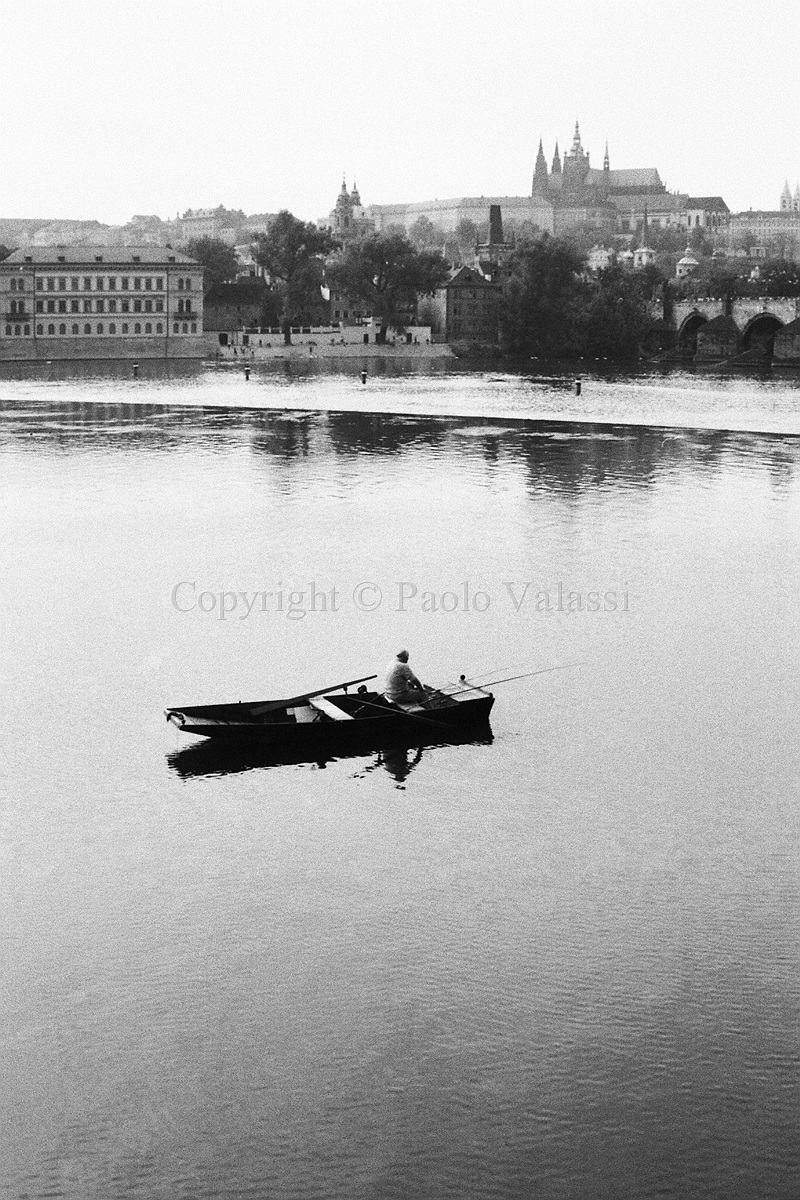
{"x":562,"y":963}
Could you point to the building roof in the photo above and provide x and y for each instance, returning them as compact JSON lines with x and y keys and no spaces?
{"x":56,"y":256}
{"x":635,"y":177}
{"x":707,"y":203}
{"x":467,"y":277}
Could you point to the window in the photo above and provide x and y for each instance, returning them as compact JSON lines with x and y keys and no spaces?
{"x":112,"y":283}
{"x":137,"y":284}
{"x":101,"y":305}
{"x":99,"y":283}
{"x":99,"y":328}
{"x":87,"y":329}
{"x":27,"y":331}
{"x":62,"y":329}
{"x":126,"y":283}
{"x":87,"y":283}
{"x":112,"y":306}
{"x":62,"y":283}
{"x":74,"y":328}
{"x":51,"y":328}
{"x":180,"y":306}
{"x":148,"y":306}
{"x":148,"y":284}
{"x":39,"y":329}
{"x":136,"y":258}
{"x":112,"y":328}
{"x":98,"y":258}
{"x":188,"y":285}
{"x":126,"y":306}
{"x":74,"y":306}
{"x":87,"y":306}
{"x":17,"y":330}
{"x":159,"y":305}
{"x":180,"y":285}
{"x":51,"y":284}
{"x":194,"y":328}
{"x":184,"y":328}
{"x":175,"y":327}
{"x":137,"y":328}
{"x":40,"y":305}
{"x":51,"y":306}
{"x":159,"y":328}
{"x":159,"y":284}
{"x":73,"y":283}
{"x":8,"y":331}
{"x":188,"y":306}
{"x":148,"y":328}
{"x":124,"y":328}
{"x":62,"y":306}
{"x":137,"y":306}
{"x":13,"y":285}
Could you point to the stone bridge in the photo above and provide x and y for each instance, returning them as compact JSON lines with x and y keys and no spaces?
{"x":765,"y":325}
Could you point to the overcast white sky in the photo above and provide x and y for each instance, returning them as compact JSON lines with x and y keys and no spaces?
{"x":153,"y":106}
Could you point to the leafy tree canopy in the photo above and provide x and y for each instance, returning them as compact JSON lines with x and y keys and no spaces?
{"x":291,"y":252}
{"x":216,"y":256}
{"x":551,"y":309}
{"x":425,"y":235}
{"x":386,"y":273}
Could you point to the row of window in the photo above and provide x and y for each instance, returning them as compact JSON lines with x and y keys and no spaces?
{"x":17,"y":330}
{"x":99,"y":306}
{"x":97,"y":283}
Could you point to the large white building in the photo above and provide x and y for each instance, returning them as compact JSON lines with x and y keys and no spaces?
{"x":100,"y":302}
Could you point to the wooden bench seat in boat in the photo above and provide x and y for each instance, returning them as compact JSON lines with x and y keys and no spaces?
{"x":323,"y":705}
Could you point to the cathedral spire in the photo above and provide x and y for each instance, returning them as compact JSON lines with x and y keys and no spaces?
{"x":577,"y":148}
{"x":539,"y":172}
{"x":556,"y":162}
{"x":606,"y":161}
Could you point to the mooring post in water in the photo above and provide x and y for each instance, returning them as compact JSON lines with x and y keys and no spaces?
{"x":247,"y":372}
{"x":577,"y":387}
{"x":135,"y":370}
{"x":363,"y":376}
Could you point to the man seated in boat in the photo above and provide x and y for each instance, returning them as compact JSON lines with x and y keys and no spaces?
{"x":402,"y":685}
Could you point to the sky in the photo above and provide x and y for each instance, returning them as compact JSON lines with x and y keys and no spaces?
{"x":155,"y":106}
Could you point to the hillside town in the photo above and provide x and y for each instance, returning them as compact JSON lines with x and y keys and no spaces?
{"x":654,"y":272}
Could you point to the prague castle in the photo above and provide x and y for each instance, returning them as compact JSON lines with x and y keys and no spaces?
{"x":570,"y":193}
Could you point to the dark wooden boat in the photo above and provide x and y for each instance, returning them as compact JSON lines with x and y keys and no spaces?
{"x":335,"y":720}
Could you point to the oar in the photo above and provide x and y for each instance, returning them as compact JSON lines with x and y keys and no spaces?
{"x":293,"y":701}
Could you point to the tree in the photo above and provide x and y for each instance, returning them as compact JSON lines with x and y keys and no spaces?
{"x":217,"y":257}
{"x":291,"y":252}
{"x":387,"y":274}
{"x":425,"y":235}
{"x":617,"y":317}
{"x":543,"y":298}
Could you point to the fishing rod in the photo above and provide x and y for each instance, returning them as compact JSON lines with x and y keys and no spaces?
{"x":508,"y":678}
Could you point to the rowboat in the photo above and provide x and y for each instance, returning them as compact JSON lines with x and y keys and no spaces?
{"x":335,"y":720}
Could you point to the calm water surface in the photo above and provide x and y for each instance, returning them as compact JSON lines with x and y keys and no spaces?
{"x":563,"y":964}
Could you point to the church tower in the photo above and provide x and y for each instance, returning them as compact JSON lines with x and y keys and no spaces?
{"x":576,"y":165}
{"x":539,"y":186}
{"x":786,"y":198}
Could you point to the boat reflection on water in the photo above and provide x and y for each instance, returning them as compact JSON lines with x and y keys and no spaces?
{"x":210,"y":757}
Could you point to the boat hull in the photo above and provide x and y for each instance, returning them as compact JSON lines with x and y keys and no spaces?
{"x":226,"y":724}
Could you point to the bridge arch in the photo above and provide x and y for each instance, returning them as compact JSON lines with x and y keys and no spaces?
{"x":759,"y":333}
{"x":687,"y":334}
